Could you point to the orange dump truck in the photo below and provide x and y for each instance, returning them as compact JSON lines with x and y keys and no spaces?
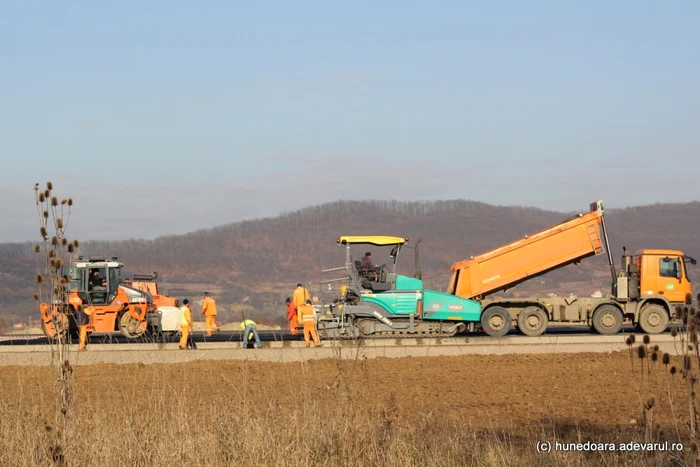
{"x":643,"y":293}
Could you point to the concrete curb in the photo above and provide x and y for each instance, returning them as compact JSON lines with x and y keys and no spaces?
{"x":297,"y":352}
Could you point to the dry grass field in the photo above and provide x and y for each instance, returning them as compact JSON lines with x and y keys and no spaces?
{"x":470,"y":410}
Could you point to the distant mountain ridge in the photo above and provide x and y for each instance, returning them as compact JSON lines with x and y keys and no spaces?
{"x":248,"y":256}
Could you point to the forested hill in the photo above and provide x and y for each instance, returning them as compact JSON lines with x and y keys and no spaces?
{"x":294,"y":247}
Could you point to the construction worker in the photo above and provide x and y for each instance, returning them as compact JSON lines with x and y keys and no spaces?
{"x":308,"y":317}
{"x":186,"y":325}
{"x":209,"y":312}
{"x":300,"y":296}
{"x":292,"y":316}
{"x":82,"y":319}
{"x":250,"y":330}
{"x":367,"y":262}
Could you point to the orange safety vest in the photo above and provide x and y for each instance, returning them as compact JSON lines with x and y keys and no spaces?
{"x":307,"y":314}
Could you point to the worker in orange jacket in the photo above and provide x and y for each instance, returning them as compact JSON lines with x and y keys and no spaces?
{"x":209,"y":312}
{"x":300,"y":296}
{"x":308,"y":317}
{"x":292,"y":316}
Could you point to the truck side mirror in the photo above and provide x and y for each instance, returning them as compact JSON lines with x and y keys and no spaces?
{"x":679,"y":276}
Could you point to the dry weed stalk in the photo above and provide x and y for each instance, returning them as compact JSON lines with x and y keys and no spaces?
{"x":686,"y":346}
{"x":650,"y":355}
{"x":54,"y":253}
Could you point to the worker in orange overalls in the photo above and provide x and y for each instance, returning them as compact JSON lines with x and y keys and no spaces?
{"x":185,"y":324}
{"x":300,"y":296}
{"x":209,"y":312}
{"x":292,"y":316}
{"x":308,"y":317}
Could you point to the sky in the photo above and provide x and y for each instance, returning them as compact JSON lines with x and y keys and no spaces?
{"x":160,"y":118}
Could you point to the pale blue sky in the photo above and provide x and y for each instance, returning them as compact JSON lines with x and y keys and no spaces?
{"x":278,"y":105}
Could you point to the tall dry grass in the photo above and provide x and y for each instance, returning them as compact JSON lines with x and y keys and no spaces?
{"x":215,"y":414}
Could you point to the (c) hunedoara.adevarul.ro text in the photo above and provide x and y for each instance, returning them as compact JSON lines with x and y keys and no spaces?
{"x":548,"y":446}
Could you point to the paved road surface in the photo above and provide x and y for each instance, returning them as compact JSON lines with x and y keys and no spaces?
{"x":285,"y":335}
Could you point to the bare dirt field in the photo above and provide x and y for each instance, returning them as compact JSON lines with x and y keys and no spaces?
{"x":466,"y":410}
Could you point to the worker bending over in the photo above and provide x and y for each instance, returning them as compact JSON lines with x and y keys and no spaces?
{"x":250,"y":330}
{"x":308,"y":318}
{"x":186,"y":326}
{"x":209,"y":312}
{"x":292,"y":316}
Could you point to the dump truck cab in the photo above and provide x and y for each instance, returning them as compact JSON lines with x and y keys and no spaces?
{"x":662,"y":273}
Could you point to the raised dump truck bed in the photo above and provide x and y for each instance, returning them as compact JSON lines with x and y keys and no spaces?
{"x":505,"y":267}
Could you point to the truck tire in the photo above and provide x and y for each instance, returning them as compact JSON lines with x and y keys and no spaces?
{"x":532,"y":321}
{"x":608,"y":320}
{"x":653,"y":319}
{"x":496,"y":321}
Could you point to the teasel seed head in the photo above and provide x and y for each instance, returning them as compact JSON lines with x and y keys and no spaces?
{"x":641,"y":352}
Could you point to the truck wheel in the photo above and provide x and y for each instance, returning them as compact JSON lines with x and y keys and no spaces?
{"x":653,"y":319}
{"x":496,"y":321}
{"x":532,"y":321}
{"x":607,"y":320}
